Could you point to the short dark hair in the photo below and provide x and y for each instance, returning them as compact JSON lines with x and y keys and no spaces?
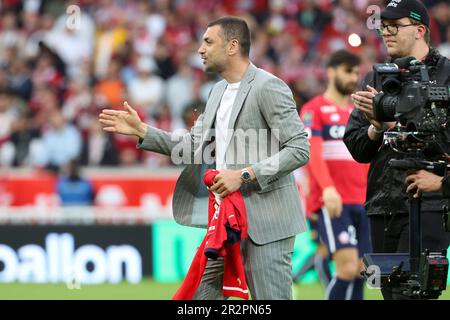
{"x":343,"y":57}
{"x":234,"y":28}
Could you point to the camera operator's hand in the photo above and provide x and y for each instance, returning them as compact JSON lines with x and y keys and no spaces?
{"x":423,"y":181}
{"x":332,"y":201}
{"x":363,"y":101}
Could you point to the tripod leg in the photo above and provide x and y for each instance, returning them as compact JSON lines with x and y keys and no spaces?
{"x":415,"y":234}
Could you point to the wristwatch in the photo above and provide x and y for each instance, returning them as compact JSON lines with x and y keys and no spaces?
{"x":245,"y":176}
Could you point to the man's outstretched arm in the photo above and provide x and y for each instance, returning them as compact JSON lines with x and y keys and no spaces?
{"x":127,"y":122}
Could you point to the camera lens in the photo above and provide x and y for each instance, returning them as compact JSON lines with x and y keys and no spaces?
{"x":391,"y":86}
{"x":384,"y":107}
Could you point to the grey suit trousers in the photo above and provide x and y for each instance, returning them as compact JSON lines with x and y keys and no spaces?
{"x":268,"y":270}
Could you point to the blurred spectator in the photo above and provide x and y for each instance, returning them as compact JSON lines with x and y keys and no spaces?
{"x":72,"y":188}
{"x":19,"y":150}
{"x":43,"y":103}
{"x":179,"y":91}
{"x":8,"y":114}
{"x":262,"y":51}
{"x":71,"y":46}
{"x":178,"y":33}
{"x":111,"y":36}
{"x":112,"y":87}
{"x":61,"y":143}
{"x":11,"y":37}
{"x":20,"y":79}
{"x":37,"y":35}
{"x":164,"y":59}
{"x":312,"y":17}
{"x":146,"y":91}
{"x":143,"y":42}
{"x":99,"y":148}
{"x":441,"y":14}
{"x":155,"y":21}
{"x":77,"y":102}
{"x":444,"y":48}
{"x":48,"y":68}
{"x":4,"y":78}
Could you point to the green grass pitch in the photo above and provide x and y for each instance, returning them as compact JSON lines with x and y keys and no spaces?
{"x":146,"y":290}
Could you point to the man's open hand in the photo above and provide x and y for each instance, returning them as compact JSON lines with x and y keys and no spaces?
{"x":124,"y":121}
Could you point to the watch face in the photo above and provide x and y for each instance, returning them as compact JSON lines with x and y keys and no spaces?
{"x":245,"y":176}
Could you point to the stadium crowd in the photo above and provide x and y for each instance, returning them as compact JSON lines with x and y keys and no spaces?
{"x":61,"y":62}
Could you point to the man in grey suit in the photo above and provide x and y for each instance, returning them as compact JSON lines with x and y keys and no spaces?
{"x":248,"y":102}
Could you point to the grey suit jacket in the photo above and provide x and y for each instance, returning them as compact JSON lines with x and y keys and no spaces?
{"x":264,"y":108}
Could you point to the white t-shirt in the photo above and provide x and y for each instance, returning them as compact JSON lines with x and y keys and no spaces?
{"x":221,"y":124}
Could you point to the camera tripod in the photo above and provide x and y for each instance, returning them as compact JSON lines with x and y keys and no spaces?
{"x":419,"y":274}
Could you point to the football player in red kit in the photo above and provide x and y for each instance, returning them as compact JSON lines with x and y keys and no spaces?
{"x":337,"y":182}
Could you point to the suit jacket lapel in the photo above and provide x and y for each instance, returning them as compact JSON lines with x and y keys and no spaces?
{"x":244,"y":88}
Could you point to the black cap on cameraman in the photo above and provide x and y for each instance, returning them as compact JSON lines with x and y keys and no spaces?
{"x":414,"y":9}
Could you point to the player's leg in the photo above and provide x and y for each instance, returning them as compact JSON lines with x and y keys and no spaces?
{"x":322,"y":265}
{"x":319,"y":260}
{"x":342,"y":285}
{"x":321,"y":256}
{"x":307,"y":266}
{"x":339,"y":235}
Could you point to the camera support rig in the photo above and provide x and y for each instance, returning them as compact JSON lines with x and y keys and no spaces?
{"x":419,"y":275}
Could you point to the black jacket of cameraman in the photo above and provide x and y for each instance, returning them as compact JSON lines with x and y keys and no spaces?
{"x":446,"y":187}
{"x":386,"y":186}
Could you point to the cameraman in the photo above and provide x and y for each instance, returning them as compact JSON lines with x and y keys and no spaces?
{"x":386,"y":197}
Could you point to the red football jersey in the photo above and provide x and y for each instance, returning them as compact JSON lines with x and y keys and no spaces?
{"x":331,"y":164}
